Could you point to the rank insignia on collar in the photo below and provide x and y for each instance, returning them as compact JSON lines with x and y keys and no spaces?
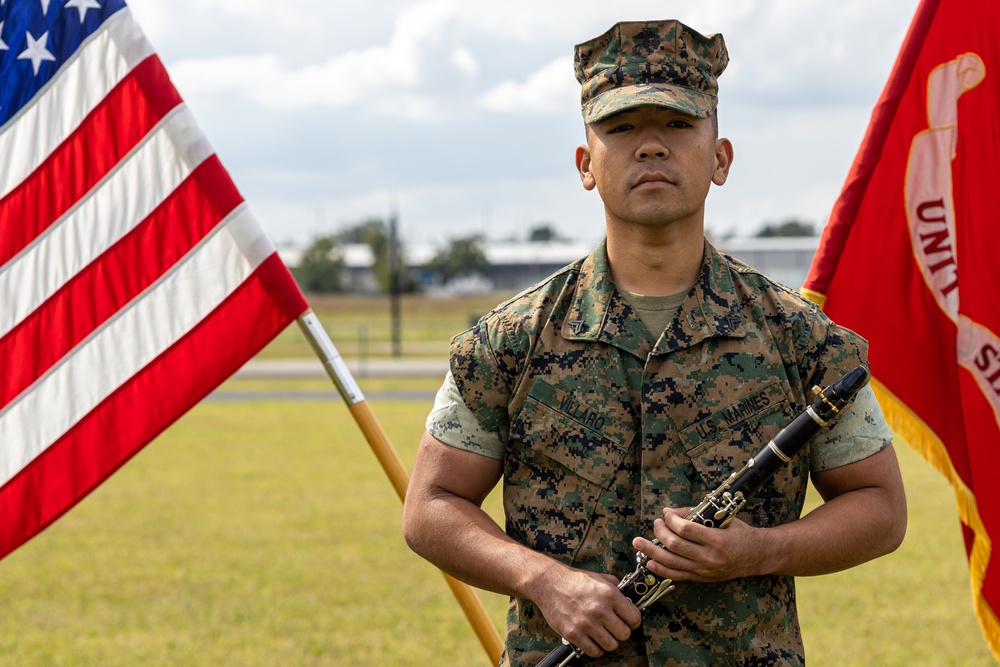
{"x":577,"y":326}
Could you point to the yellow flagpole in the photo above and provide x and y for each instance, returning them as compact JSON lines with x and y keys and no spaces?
{"x":341,"y":376}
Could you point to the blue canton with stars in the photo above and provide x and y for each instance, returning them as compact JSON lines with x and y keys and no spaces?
{"x":36,"y":38}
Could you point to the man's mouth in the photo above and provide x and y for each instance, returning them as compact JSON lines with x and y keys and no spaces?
{"x":652,"y":179}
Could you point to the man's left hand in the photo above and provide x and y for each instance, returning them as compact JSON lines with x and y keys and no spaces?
{"x":693,"y":552}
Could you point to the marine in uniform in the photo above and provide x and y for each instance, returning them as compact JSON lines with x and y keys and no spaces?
{"x":601,"y":406}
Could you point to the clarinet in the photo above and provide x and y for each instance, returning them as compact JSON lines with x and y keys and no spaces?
{"x":719,"y":507}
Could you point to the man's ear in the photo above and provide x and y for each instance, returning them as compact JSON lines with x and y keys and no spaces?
{"x":583,"y":167}
{"x":723,"y":160}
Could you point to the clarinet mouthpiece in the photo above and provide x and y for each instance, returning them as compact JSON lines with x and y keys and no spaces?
{"x":847,"y":386}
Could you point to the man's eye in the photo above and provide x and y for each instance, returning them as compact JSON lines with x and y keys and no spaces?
{"x":679,"y":123}
{"x":624,"y":127}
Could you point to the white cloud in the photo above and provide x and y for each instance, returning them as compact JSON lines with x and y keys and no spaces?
{"x":813,"y":52}
{"x":552,"y":88}
{"x":239,"y":7}
{"x":341,"y":80}
{"x":423,"y":23}
{"x":310,"y":73}
{"x":465,"y":61}
{"x":380,"y":75}
{"x":152,"y":16}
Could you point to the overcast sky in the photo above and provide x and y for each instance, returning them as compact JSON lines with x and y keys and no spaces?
{"x":463,"y":116}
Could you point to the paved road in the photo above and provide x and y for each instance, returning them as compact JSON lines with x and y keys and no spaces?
{"x":312,"y":368}
{"x":234,"y":396}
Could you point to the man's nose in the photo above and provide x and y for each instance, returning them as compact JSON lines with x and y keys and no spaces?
{"x":651,"y":148}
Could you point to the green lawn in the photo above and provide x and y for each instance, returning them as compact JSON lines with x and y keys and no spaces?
{"x":264,"y":533}
{"x":912,"y":607}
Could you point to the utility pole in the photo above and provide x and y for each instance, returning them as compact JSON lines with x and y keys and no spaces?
{"x":395,"y":285}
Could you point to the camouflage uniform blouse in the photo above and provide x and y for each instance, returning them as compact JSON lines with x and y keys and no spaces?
{"x":603,"y":429}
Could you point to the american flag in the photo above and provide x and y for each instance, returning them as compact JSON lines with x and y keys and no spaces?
{"x":133,"y":277}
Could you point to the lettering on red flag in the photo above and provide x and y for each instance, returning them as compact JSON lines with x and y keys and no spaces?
{"x":929,"y":205}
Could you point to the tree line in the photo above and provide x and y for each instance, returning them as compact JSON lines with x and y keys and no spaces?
{"x":322,"y":265}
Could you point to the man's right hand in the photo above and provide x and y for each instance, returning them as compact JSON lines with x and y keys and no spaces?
{"x":444,"y":523}
{"x":585,"y":608}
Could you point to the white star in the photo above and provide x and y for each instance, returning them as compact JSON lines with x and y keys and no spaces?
{"x":45,"y":6}
{"x":36,"y":51}
{"x":83,"y":6}
{"x":3,"y":45}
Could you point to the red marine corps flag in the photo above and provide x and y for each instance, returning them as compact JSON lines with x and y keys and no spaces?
{"x":910,"y":259}
{"x":133,"y":278}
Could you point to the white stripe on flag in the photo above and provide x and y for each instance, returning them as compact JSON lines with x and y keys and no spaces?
{"x":131,"y":340}
{"x":67,"y":99}
{"x":113,"y":208}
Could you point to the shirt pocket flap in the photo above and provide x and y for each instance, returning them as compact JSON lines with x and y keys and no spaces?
{"x":721,"y":443}
{"x":575,"y":435}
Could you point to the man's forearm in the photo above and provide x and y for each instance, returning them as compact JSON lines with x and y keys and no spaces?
{"x":849,"y":530}
{"x":864,"y":517}
{"x":443,"y":522}
{"x":464,"y":541}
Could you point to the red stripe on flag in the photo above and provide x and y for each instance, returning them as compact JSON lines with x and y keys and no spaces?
{"x":115,"y":278}
{"x":112,"y":129}
{"x":110,"y":435}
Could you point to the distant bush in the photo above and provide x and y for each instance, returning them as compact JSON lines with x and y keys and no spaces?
{"x":321,"y":267}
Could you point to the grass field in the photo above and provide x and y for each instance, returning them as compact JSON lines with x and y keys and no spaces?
{"x":263,"y":533}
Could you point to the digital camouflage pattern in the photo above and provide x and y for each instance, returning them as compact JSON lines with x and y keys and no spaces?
{"x":605,"y":427}
{"x":660,"y":63}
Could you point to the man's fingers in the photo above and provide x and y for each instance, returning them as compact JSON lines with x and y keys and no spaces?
{"x":594,"y":618}
{"x":673,"y":558}
{"x":597,"y":638}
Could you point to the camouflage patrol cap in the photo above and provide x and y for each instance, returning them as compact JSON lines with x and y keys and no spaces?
{"x":662,"y":63}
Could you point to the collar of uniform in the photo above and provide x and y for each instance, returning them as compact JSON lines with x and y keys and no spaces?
{"x":711,"y":308}
{"x":599,"y":313}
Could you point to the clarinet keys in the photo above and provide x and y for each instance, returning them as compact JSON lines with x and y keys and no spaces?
{"x":732,"y":504}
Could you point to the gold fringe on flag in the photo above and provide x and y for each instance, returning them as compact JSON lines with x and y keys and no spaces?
{"x":815,"y":297}
{"x":908,"y":427}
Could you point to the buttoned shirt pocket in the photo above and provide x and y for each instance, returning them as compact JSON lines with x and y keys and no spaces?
{"x":560,"y":459}
{"x":723,"y":442}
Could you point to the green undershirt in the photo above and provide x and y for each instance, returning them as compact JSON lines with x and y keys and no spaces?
{"x":656,"y":312}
